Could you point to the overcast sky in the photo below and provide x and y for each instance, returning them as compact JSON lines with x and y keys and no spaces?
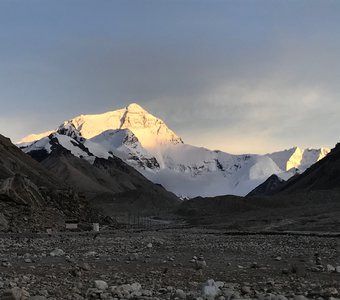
{"x":241,"y":76}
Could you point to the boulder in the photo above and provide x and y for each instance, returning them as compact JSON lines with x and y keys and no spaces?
{"x":101,"y":285}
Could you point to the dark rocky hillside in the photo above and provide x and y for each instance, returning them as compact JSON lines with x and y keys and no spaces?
{"x":304,"y":211}
{"x":323,"y":175}
{"x":272,"y":184}
{"x":33,"y":198}
{"x":307,"y":202}
{"x":109,"y":184}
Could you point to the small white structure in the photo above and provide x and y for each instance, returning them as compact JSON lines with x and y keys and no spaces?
{"x":95,"y":227}
{"x":71,"y":225}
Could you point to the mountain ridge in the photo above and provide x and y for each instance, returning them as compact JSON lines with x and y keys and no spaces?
{"x":146,"y":143}
{"x":31,"y":197}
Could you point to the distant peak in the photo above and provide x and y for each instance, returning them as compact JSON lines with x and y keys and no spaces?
{"x":134,"y":107}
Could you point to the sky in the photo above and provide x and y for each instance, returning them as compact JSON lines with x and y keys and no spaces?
{"x":242,"y":76}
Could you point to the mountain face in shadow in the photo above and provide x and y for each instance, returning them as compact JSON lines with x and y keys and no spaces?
{"x":31,"y":197}
{"x":110,"y":184}
{"x":268,"y":187}
{"x":323,"y":175}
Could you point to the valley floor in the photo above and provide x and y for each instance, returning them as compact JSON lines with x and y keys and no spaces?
{"x":251,"y":266}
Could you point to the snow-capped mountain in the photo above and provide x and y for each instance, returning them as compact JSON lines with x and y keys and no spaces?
{"x":123,"y":144}
{"x":298,"y":158}
{"x":149,"y":130}
{"x":146,"y":143}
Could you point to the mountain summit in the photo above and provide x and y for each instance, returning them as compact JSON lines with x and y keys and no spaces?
{"x":149,"y":130}
{"x":146,"y":143}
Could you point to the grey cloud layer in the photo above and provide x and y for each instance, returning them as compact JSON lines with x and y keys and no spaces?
{"x":265,"y":72}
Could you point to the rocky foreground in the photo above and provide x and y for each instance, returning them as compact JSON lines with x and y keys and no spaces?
{"x":168,"y":264}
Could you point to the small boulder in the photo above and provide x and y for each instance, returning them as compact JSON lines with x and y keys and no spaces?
{"x":210,"y":290}
{"x":101,"y":285}
{"x":136,"y":287}
{"x":57,"y":252}
{"x":133,"y":257}
{"x":180,"y":294}
{"x":330,"y":268}
{"x":246,"y":290}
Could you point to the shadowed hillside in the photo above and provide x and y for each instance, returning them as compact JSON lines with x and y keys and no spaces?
{"x":30,"y":196}
{"x":109,"y":184}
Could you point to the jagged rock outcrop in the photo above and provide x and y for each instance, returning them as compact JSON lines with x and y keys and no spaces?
{"x":268,"y":187}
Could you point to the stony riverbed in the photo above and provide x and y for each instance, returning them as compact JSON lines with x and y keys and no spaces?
{"x":169,"y":264}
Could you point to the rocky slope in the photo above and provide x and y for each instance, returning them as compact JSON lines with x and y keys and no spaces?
{"x":31,"y":197}
{"x":324,"y":175}
{"x":306,"y":202}
{"x":314,"y":211}
{"x":270,"y":186}
{"x":110,"y":185}
{"x":146,"y":143}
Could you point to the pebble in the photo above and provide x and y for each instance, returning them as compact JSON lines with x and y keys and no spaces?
{"x":90,"y":253}
{"x":300,"y":297}
{"x":85,"y":267}
{"x":133,"y":257}
{"x":285,"y":271}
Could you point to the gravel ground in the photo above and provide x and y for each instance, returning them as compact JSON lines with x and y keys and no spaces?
{"x":168,"y":264}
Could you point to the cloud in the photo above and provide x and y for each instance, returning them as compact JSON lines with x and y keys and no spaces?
{"x":245,"y":78}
